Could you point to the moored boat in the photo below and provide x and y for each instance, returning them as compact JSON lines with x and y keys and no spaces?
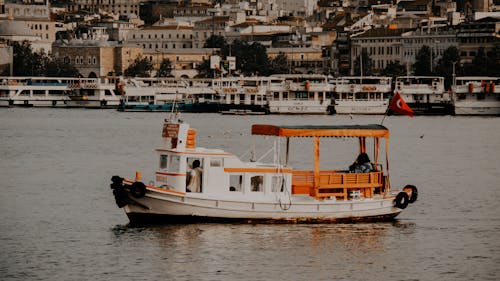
{"x":200,"y":184}
{"x":362,"y":95}
{"x":477,"y":96}
{"x":424,"y":94}
{"x":300,"y":94}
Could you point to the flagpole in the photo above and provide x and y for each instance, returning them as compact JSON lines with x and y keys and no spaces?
{"x":385,"y":115}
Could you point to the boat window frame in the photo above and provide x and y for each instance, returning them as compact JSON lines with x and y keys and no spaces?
{"x":164,"y":161}
{"x":274,"y":181}
{"x":259,"y":184}
{"x":241,"y":184}
{"x":175,"y":164}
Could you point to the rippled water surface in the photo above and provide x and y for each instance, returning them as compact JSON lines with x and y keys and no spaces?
{"x":58,"y":219}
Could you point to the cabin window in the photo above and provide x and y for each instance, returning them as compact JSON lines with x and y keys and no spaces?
{"x":277,"y":184}
{"x":163,"y":161}
{"x":175,"y":162}
{"x":256,"y":183}
{"x":215,"y":162}
{"x":235,"y":183}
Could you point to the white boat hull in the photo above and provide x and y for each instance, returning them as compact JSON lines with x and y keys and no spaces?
{"x":477,"y":108}
{"x":361,"y":107}
{"x":167,"y":208}
{"x":298,"y":107}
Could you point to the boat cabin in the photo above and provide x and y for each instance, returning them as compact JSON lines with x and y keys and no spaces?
{"x":222,"y":174}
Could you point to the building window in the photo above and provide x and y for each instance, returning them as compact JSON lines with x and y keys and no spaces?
{"x":94,"y":59}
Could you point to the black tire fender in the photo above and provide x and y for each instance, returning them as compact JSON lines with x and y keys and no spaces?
{"x":401,"y":200}
{"x":414,"y":193}
{"x":138,"y":189}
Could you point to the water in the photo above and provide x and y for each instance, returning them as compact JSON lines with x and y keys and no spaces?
{"x":58,"y":219}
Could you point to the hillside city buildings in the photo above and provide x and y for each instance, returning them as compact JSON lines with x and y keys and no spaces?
{"x":104,"y":37}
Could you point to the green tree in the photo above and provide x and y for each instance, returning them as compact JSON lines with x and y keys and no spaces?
{"x":366,"y":61}
{"x":29,"y":63}
{"x":215,"y":41}
{"x":445,"y":64}
{"x":165,"y":68}
{"x":58,"y":68}
{"x":141,"y":67}
{"x":24,"y":59}
{"x":204,"y":70}
{"x":422,"y":65}
{"x":279,"y":64}
{"x":251,"y":59}
{"x":394,"y":69}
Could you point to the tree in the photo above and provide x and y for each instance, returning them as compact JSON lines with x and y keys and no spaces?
{"x":366,"y":61}
{"x":251,"y":59}
{"x":165,"y":68}
{"x":29,"y":63}
{"x":23,"y":59}
{"x":394,"y":69}
{"x":204,"y":70}
{"x":141,"y":67}
{"x":279,"y":64}
{"x":215,"y":41}
{"x":422,"y":65}
{"x":58,"y":68}
{"x":445,"y":64}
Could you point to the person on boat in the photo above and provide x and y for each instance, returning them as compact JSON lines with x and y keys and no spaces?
{"x":194,"y":184}
{"x":362,"y":164}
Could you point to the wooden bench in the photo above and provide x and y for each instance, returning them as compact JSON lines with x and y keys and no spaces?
{"x":336,"y":183}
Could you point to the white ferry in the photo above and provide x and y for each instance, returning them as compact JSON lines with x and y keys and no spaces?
{"x":198,"y":184}
{"x":300,"y":94}
{"x":58,"y":92}
{"x":163,"y":94}
{"x":424,"y":94}
{"x":242,"y":94}
{"x":362,"y":95}
{"x":477,"y":96}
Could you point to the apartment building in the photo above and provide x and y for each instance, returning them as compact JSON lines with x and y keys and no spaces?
{"x":400,"y":45}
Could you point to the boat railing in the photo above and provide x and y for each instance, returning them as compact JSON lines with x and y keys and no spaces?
{"x":334,"y":183}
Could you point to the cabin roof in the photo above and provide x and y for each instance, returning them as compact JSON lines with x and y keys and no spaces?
{"x":372,"y":130}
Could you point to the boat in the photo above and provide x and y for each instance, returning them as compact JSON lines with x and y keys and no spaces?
{"x":166,"y":94}
{"x":362,"y":95}
{"x":299,"y":94}
{"x":242,"y":94}
{"x":230,"y":189}
{"x":477,"y":96}
{"x":424,"y":94}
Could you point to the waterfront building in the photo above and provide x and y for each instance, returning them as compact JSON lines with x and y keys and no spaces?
{"x":35,"y":16}
{"x":119,"y":7}
{"x":482,"y":33}
{"x":6,"y":59}
{"x":96,"y":58}
{"x":400,"y":45}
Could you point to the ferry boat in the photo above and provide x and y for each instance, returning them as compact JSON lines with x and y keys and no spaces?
{"x":153,"y":94}
{"x":424,"y":94}
{"x":300,"y":94}
{"x":242,"y":94}
{"x":362,"y":95}
{"x":57,"y":92}
{"x":194,"y":184}
{"x":477,"y":96}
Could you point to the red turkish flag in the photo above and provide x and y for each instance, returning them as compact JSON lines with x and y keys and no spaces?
{"x":399,"y":105}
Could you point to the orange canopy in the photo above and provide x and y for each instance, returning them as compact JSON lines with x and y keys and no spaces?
{"x":377,"y":131}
